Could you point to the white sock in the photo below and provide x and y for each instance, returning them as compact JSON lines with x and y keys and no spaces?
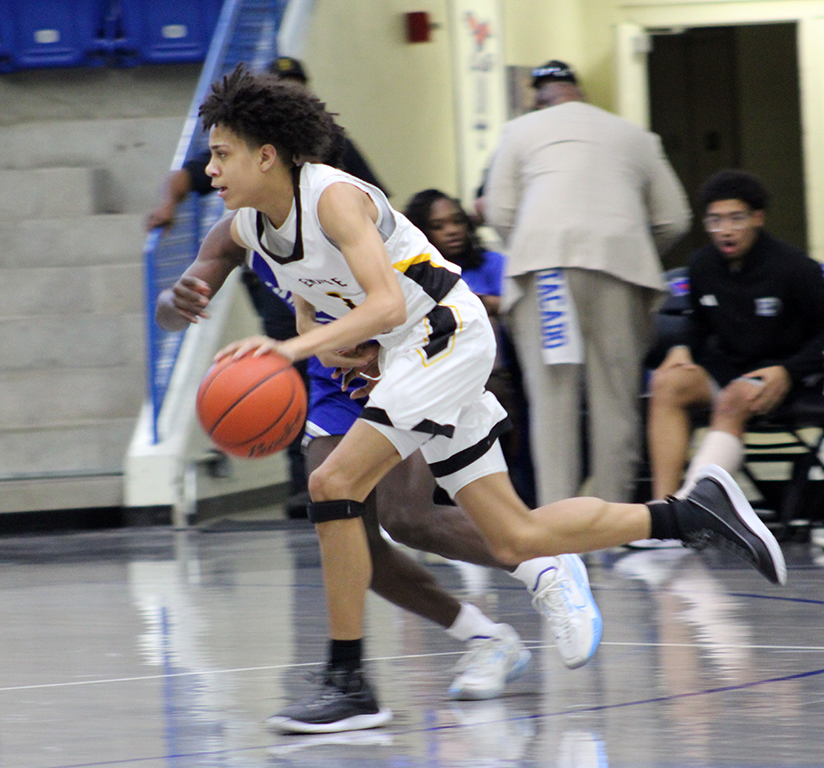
{"x":471,"y":622}
{"x":530,"y":571}
{"x":717,"y":447}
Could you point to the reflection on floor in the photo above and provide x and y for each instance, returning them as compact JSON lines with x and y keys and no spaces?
{"x":149,"y":647}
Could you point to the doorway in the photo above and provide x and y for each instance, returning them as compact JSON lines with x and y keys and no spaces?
{"x":728,"y":97}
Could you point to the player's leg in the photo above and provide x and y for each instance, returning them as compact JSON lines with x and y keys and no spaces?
{"x":673,"y":391}
{"x":554,"y":583}
{"x":410,"y":516}
{"x":715,"y":511}
{"x":339,"y":488}
{"x":517,"y":533}
{"x":496,"y":655}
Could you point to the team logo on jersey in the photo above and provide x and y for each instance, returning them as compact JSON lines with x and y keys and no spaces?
{"x":768,"y":306}
{"x":708,"y":300}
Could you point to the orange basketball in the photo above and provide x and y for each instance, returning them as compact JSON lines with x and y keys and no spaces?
{"x":252,"y":406}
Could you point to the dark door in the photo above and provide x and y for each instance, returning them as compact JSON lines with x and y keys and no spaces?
{"x":727,"y":97}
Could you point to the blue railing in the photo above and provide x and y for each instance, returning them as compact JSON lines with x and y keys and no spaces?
{"x":246,"y":32}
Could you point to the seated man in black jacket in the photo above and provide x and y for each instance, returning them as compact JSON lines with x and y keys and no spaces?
{"x":756,"y":335}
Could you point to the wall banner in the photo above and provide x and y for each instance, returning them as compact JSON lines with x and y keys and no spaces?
{"x":479,"y":82}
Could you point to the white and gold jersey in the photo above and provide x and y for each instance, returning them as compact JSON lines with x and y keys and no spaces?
{"x":307,"y":262}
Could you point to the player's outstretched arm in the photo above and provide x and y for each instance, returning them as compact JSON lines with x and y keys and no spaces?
{"x":187,"y":300}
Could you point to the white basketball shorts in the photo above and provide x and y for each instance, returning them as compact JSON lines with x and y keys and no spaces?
{"x":431,"y":394}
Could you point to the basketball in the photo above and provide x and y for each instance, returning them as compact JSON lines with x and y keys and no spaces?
{"x":253,"y":406}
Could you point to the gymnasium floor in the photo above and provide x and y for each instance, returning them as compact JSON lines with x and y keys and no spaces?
{"x":148,"y":648}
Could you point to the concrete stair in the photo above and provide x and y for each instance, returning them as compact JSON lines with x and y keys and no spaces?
{"x":71,"y":340}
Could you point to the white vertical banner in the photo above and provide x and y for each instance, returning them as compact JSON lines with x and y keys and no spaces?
{"x":480,"y":94}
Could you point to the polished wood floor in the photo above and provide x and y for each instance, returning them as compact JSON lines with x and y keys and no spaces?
{"x":150,"y":648}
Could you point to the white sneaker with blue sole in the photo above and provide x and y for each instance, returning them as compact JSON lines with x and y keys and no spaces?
{"x":488,"y":665}
{"x":563,"y":595}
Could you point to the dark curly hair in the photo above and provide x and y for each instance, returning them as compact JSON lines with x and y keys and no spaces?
{"x":732,"y":184}
{"x":418,"y":211}
{"x":263,"y":109}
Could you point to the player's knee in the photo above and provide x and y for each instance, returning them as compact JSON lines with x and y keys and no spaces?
{"x":512,"y":546}
{"x":325,"y":483}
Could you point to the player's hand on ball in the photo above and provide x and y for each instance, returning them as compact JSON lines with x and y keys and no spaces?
{"x":190,"y":297}
{"x":254,"y":345}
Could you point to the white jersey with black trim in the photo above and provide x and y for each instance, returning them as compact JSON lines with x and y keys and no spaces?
{"x":309,"y":263}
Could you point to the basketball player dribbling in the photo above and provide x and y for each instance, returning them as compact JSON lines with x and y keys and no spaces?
{"x":337,"y":244}
{"x":403,"y":503}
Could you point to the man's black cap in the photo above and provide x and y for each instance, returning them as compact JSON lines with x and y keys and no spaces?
{"x":286,"y":66}
{"x":553,"y":70}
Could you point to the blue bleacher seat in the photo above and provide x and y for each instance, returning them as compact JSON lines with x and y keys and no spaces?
{"x":163,"y":32}
{"x":51,"y":33}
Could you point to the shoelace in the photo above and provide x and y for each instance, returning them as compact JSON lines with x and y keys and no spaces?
{"x":326,"y":685}
{"x":557,"y":614}
{"x":480,"y":650}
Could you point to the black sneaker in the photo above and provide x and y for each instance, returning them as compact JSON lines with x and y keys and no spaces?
{"x":343,"y":702}
{"x":716,"y":512}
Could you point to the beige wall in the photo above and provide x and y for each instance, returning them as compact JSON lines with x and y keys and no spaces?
{"x":396,"y":98}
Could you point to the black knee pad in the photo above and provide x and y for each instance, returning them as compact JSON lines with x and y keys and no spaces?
{"x":340,"y":509}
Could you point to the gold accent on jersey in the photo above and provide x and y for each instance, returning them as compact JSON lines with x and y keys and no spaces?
{"x":402,"y":266}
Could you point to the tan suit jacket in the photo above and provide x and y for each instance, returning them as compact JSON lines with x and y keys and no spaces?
{"x":575,"y":186}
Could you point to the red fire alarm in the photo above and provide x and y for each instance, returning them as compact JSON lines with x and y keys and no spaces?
{"x":418,"y":27}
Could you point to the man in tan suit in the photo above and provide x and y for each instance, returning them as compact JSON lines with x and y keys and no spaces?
{"x":585,"y":201}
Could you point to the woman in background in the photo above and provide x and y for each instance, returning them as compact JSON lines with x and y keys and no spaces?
{"x":453,"y":233}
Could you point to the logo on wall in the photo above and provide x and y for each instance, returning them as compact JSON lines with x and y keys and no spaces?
{"x":481,"y":62}
{"x":479,"y":87}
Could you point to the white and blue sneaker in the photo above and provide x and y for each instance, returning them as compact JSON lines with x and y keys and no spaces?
{"x":562,"y":594}
{"x":488,"y":665}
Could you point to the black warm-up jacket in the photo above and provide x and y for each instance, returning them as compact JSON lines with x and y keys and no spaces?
{"x":771,"y":312}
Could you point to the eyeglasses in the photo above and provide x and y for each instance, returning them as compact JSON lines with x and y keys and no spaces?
{"x":717,"y":222}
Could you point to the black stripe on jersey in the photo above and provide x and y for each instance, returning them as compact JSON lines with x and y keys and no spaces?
{"x":380,"y":416}
{"x":443,"y":326}
{"x":297,"y":250}
{"x":435,"y":281}
{"x":465,"y":457}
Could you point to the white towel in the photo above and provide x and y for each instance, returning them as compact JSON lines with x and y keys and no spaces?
{"x":561,"y":340}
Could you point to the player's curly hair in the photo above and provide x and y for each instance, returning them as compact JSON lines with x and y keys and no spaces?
{"x":419,"y":209}
{"x":733,"y":184}
{"x":262,"y":109}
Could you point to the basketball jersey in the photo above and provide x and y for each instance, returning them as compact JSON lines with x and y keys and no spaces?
{"x":304,"y":260}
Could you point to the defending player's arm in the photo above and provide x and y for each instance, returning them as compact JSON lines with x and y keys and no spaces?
{"x":186,"y":301}
{"x":348,"y":216}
